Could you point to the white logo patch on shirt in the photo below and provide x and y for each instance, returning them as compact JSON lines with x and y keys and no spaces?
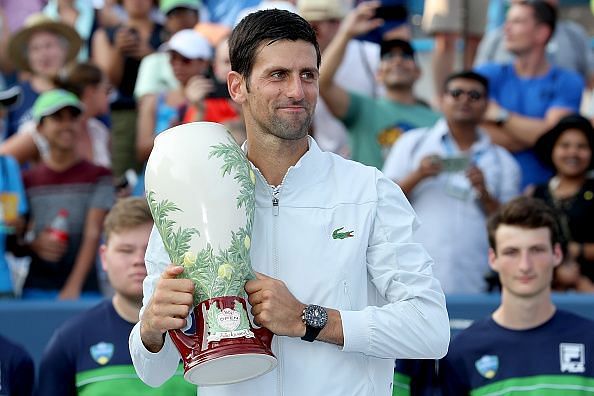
{"x":572,"y":357}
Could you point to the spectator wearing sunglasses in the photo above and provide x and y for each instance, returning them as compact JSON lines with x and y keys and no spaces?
{"x":373,"y":123}
{"x":455,"y":177}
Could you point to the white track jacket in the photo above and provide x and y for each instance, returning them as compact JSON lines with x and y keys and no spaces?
{"x":379,"y":279}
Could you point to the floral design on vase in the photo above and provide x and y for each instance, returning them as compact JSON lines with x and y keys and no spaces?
{"x":221,"y":273}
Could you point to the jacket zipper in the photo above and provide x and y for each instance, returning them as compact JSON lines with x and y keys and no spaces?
{"x":275,"y":193}
{"x":275,"y":212}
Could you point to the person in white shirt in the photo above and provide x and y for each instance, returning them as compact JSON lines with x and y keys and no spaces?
{"x":455,"y":178}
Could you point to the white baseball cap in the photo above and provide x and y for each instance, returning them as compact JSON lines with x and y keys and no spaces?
{"x":190,"y":44}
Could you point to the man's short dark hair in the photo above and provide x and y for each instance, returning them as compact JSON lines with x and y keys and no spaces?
{"x":525,"y":212}
{"x":266,"y":25}
{"x":544,"y":13}
{"x":467,"y":75}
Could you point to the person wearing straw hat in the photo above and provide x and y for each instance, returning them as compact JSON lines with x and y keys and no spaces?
{"x":60,"y":268}
{"x":41,"y":49}
{"x":568,"y":148}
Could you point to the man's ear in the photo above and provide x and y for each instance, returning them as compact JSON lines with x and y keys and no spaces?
{"x":493,"y":260}
{"x":557,"y":254}
{"x":236,"y":87}
{"x":102,"y":250}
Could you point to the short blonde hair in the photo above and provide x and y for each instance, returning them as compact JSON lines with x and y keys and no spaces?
{"x":127,"y":213}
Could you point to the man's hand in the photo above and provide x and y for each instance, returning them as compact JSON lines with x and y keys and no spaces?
{"x":429,"y":166}
{"x":362,"y":19}
{"x":69,"y":292}
{"x":168,"y":309}
{"x":477,"y":180}
{"x":197,"y":89}
{"x":493,"y":111}
{"x":126,"y":41}
{"x":48,"y":248}
{"x":274,"y":306}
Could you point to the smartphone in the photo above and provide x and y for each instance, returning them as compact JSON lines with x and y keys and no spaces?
{"x":455,"y":164}
{"x":392,"y":12}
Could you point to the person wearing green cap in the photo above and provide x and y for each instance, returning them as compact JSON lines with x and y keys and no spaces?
{"x":155,"y":73}
{"x":63,"y":182}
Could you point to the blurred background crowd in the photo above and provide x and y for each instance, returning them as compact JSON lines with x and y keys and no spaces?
{"x":88,"y":86}
{"x":465,"y":104}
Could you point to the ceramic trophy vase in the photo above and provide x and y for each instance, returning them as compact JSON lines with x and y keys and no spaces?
{"x":200,"y":189}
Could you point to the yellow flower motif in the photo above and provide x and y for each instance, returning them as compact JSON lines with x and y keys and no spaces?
{"x":225,"y":271}
{"x":189,"y":259}
{"x":252,"y":176}
{"x":247,"y":242}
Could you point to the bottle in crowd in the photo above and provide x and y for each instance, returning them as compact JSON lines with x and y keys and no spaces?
{"x":59,"y":226}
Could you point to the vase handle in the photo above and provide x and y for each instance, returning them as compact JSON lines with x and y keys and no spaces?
{"x":264,"y":335}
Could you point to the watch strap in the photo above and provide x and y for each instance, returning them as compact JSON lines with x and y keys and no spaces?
{"x":311,"y":333}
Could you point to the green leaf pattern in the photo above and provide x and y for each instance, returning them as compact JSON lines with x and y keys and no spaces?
{"x":221,"y":273}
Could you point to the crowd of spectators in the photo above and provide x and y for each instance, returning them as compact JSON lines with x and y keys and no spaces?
{"x":87,"y":85}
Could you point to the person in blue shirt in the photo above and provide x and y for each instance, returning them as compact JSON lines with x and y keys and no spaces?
{"x":88,"y":355}
{"x":17,"y":371}
{"x":530,"y":95}
{"x":527,"y":345}
{"x":13,"y":203}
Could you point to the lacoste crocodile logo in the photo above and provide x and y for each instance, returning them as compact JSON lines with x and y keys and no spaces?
{"x":336,"y":234}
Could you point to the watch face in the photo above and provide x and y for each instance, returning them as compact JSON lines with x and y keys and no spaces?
{"x":315,"y":316}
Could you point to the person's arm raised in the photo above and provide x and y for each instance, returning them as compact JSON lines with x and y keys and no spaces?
{"x":359,"y":21}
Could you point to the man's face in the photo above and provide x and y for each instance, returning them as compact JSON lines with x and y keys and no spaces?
{"x":184,"y":68}
{"x":123,"y":260}
{"x":46,"y":53}
{"x":464,"y":101}
{"x":398,"y":70}
{"x":525,"y":260}
{"x":179,"y":19}
{"x":283,"y":89}
{"x":62,"y":129}
{"x":325,"y":31}
{"x":137,"y":8}
{"x":521,"y":30}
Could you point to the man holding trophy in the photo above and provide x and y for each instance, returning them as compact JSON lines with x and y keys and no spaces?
{"x":339,"y":279}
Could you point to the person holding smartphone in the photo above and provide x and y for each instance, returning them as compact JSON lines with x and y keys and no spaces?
{"x":454,"y":178}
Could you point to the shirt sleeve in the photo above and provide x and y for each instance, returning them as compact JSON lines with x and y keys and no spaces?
{"x":356,"y":104}
{"x":491,"y":72}
{"x":510,"y":176}
{"x":568,"y":91}
{"x":16,"y":184}
{"x":452,"y":378}
{"x":399,"y":162}
{"x":153,"y":368}
{"x":57,"y":370}
{"x":414,"y":323}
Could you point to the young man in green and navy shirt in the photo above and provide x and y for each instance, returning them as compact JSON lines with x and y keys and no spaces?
{"x":88,"y":355}
{"x":527,"y":346}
